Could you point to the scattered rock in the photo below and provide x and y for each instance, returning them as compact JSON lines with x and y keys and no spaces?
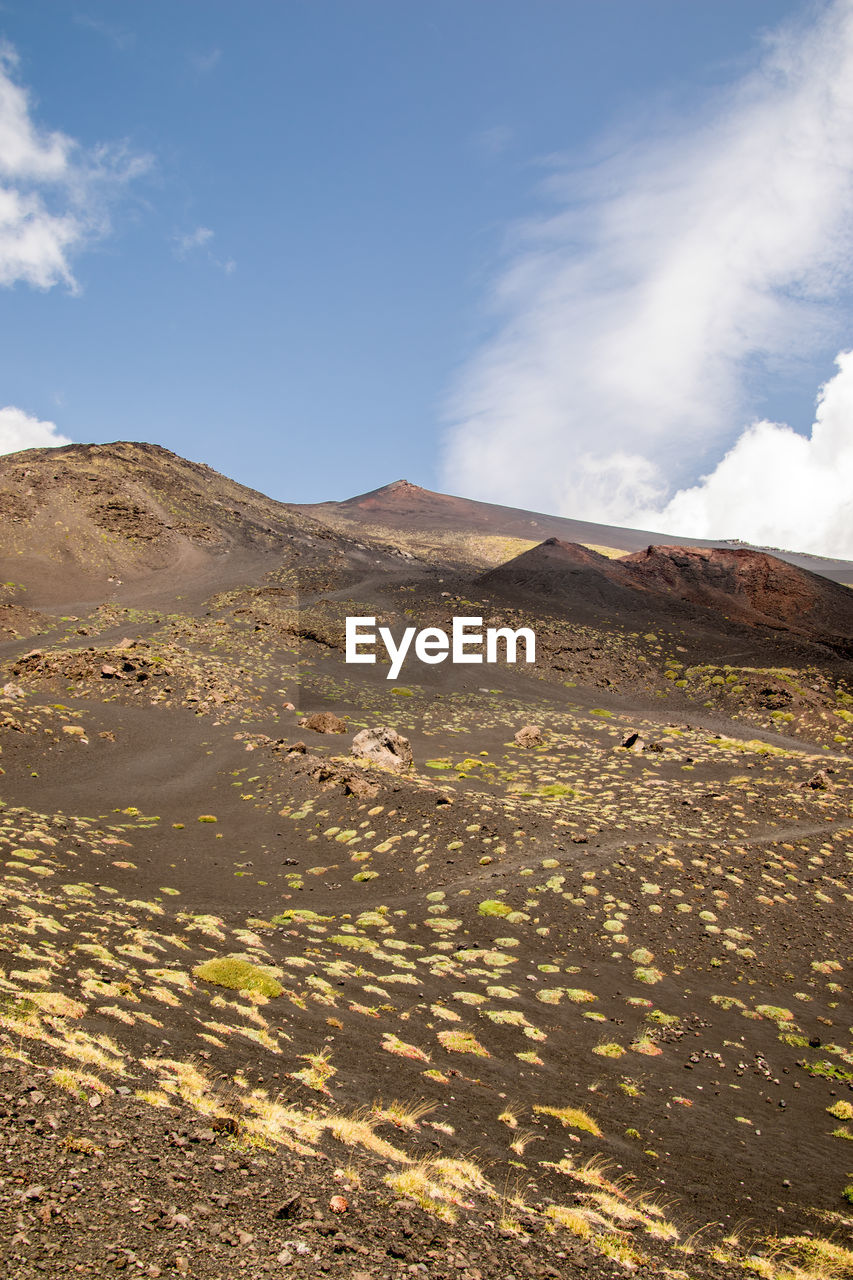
{"x":634,"y":742}
{"x":530,"y":735}
{"x":289,"y":1208}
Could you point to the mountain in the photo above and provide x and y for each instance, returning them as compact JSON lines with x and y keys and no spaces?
{"x":405,"y":506}
{"x":678,"y":584}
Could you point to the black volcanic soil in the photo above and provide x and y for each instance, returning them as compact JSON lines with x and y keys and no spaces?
{"x":528,"y":1011}
{"x":679,"y":585}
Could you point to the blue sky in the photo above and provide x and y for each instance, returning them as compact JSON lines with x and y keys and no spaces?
{"x":298,"y":258}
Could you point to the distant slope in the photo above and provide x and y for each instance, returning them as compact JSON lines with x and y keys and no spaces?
{"x":568,"y":573}
{"x":406,"y":506}
{"x":746,"y":583}
{"x":675,"y":584}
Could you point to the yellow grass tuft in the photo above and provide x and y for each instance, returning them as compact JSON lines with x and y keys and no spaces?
{"x":572,"y":1118}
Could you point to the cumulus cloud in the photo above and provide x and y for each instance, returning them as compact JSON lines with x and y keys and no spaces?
{"x":778,"y":488}
{"x":18,"y":430}
{"x":55,"y":194}
{"x":631,"y":314}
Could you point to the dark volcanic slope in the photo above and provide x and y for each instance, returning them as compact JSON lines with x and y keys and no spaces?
{"x":756,"y":586}
{"x":675,"y":584}
{"x":402,"y":505}
{"x":568,"y":574}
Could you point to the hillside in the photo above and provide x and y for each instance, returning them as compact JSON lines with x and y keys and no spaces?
{"x":407,"y":508}
{"x":702,"y":586}
{"x":566,"y":994}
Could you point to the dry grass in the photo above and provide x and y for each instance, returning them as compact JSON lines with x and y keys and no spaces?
{"x":572,"y":1118}
{"x":402,"y":1114}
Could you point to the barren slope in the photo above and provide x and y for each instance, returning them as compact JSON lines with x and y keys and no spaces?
{"x":529,"y":1010}
{"x":407,"y":508}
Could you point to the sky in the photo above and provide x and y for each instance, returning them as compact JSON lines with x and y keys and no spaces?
{"x":590,"y":259}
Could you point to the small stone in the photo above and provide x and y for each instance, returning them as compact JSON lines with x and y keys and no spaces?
{"x":289,"y":1208}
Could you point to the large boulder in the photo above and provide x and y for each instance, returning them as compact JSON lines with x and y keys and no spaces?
{"x":529,"y":735}
{"x":384,"y":746}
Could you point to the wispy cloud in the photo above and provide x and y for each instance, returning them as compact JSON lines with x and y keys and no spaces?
{"x":55,"y":195}
{"x":203,"y":63}
{"x":197,"y":239}
{"x":18,"y":430}
{"x":200,"y":238}
{"x":629,"y":315}
{"x":122,"y":38}
{"x":493,"y":142}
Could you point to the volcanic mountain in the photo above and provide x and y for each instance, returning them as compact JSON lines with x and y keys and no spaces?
{"x":406,"y":507}
{"x":680,"y":584}
{"x":573,"y":576}
{"x":753,"y":585}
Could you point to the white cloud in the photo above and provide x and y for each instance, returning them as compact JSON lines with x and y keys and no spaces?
{"x":54,"y":194}
{"x":629,"y":316}
{"x":201,"y":238}
{"x":196,"y":239}
{"x":777,"y":488}
{"x":18,"y":430}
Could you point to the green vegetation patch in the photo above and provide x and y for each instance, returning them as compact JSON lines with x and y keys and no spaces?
{"x":239,"y":974}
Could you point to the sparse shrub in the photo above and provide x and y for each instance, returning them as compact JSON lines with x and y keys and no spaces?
{"x":490,"y":907}
{"x":462,"y":1042}
{"x":572,"y":1118}
{"x":239,"y":974}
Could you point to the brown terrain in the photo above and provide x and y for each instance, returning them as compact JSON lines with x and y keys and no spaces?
{"x":406,"y":507}
{"x":486,"y":972}
{"x":679,"y":582}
